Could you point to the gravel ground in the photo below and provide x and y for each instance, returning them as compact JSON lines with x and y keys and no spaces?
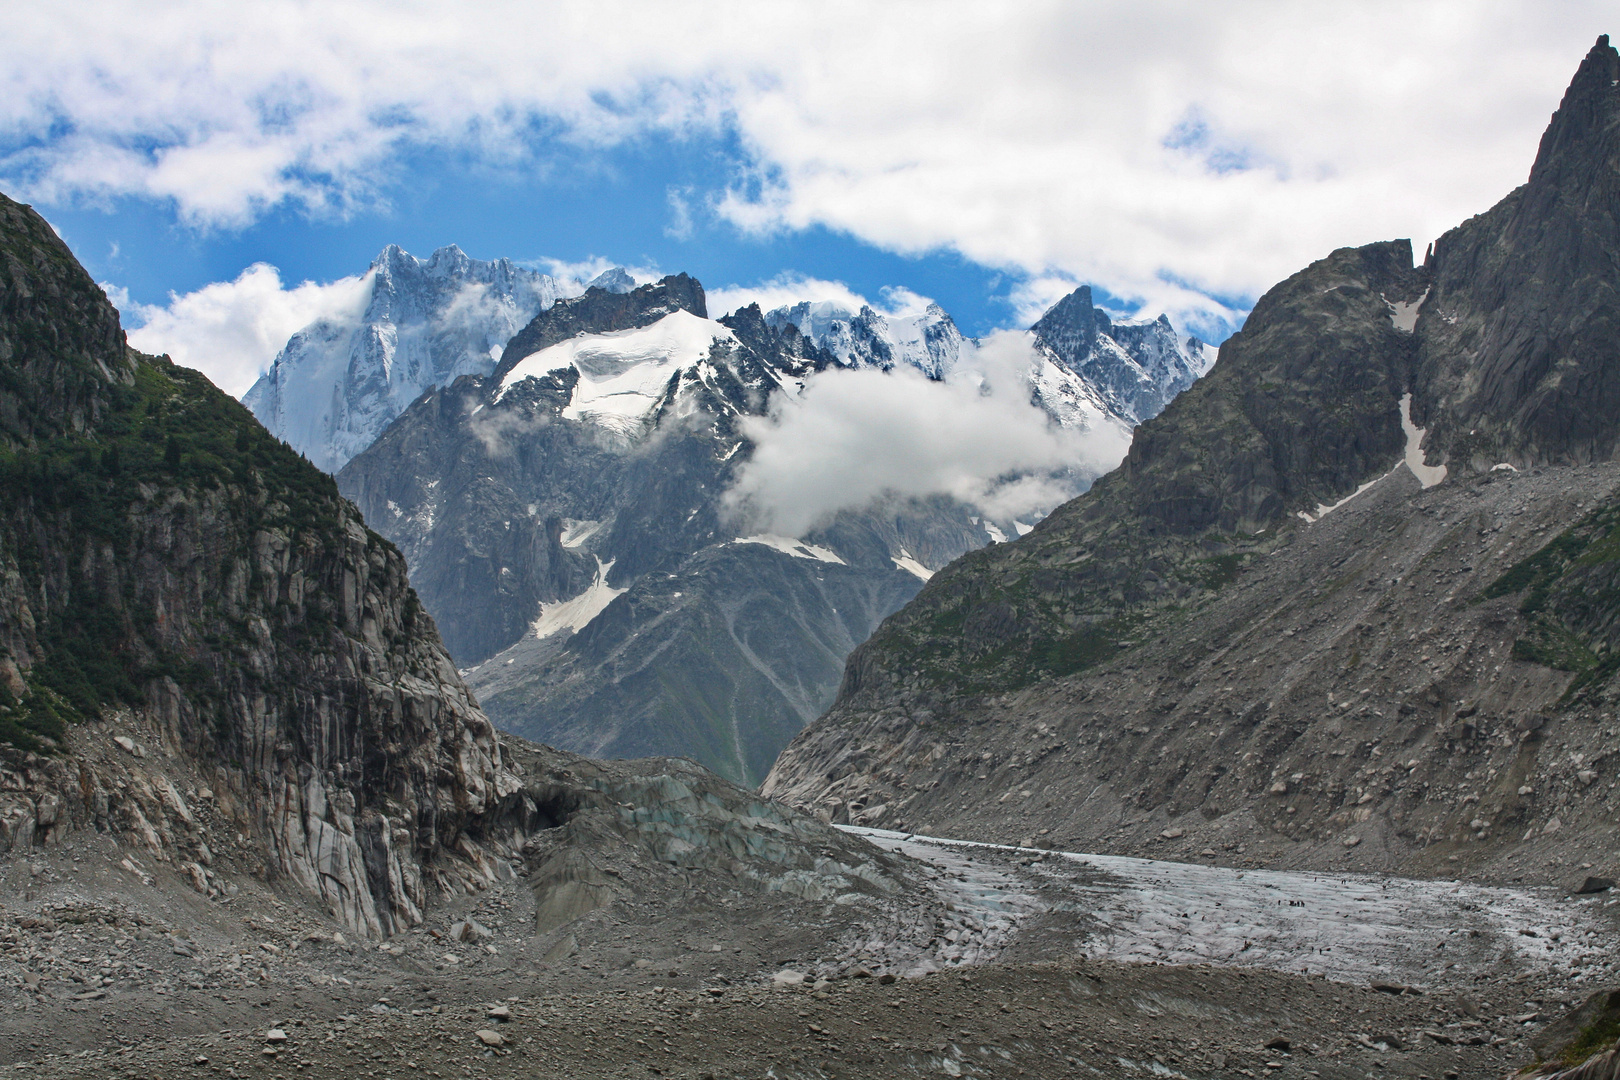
{"x":1073,"y":1018}
{"x":1024,"y":968}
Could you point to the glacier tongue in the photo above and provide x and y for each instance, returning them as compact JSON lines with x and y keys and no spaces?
{"x":335,"y":386}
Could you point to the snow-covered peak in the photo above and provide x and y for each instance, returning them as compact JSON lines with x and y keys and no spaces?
{"x":623,"y":374}
{"x":336,"y":385}
{"x":928,"y":341}
{"x":614,"y":280}
{"x":1135,"y":366}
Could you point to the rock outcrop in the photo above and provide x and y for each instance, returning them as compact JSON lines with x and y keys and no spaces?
{"x":1518,"y":333}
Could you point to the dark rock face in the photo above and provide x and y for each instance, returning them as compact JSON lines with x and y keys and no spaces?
{"x":60,"y":341}
{"x":163,"y":558}
{"x":1518,"y":335}
{"x":727,"y":656}
{"x":1304,"y":405}
{"x":1176,"y":592}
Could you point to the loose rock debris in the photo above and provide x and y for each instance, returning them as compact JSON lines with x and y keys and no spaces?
{"x":1026,"y":964}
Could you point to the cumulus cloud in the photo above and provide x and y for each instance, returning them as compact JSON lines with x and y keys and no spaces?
{"x":231,"y":330}
{"x":1219,"y":147}
{"x":856,"y":437}
{"x":790,"y":287}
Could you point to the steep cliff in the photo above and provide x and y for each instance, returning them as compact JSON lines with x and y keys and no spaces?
{"x":167,"y":567}
{"x":1518,"y":338}
{"x":1304,"y":565}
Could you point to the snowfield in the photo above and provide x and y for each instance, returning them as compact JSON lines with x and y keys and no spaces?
{"x":623,"y":373}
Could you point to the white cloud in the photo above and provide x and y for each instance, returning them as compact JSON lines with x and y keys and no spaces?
{"x":790,"y":287}
{"x":857,"y":436}
{"x":1219,"y":146}
{"x":572,"y":277}
{"x":783,"y":290}
{"x":680,"y":214}
{"x":231,"y":330}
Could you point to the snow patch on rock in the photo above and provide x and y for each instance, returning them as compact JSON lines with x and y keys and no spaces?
{"x":623,"y":374}
{"x":910,"y":565}
{"x":575,"y":614}
{"x":1427,"y":475}
{"x":796,"y":548}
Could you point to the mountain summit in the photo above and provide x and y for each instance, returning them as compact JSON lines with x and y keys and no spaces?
{"x":1518,"y":364}
{"x":1136,"y":366}
{"x":338,"y":382}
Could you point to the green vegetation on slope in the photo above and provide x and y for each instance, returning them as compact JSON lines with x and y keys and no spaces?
{"x":171,"y":431}
{"x":1571,"y":600}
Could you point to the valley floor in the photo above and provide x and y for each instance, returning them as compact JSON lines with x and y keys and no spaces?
{"x":1034,"y":963}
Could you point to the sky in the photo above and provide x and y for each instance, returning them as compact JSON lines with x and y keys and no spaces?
{"x":230,"y":170}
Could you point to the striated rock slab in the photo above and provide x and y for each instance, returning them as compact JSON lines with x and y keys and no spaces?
{"x":168,"y":566}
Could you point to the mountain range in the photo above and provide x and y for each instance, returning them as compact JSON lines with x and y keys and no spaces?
{"x":566,"y":522}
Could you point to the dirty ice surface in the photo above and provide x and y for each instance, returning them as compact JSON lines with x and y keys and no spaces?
{"x":1348,"y":927}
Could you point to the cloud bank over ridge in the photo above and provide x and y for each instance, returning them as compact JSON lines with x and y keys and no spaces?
{"x":231,"y":330}
{"x":858,"y":436}
{"x":1163,"y":151}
